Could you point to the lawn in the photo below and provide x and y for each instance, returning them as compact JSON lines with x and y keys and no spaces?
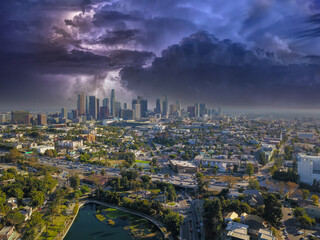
{"x":142,"y":161}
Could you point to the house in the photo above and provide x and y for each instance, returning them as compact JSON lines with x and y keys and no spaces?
{"x":231,"y":216}
{"x":313,"y":211}
{"x":237,"y":231}
{"x":26,"y":212}
{"x":265,"y":234}
{"x":253,"y":197}
{"x":255,"y":223}
{"x":7,"y":233}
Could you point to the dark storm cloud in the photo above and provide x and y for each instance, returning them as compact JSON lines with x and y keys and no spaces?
{"x":203,"y":68}
{"x":51,"y":48}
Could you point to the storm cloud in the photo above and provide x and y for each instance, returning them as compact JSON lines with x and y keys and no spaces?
{"x":50,"y":49}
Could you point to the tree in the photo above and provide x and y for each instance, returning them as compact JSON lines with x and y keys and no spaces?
{"x":315,"y":199}
{"x":103,"y":172}
{"x":201,"y":182}
{"x":172,"y":222}
{"x":272,"y":211}
{"x":74,"y":181}
{"x":166,"y":176}
{"x":230,"y":180}
{"x":235,"y":168}
{"x":250,"y":169}
{"x":37,"y":198}
{"x":305,"y":194}
{"x":15,"y":218}
{"x":254,"y":184}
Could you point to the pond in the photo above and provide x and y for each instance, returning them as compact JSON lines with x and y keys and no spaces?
{"x":98,"y":222}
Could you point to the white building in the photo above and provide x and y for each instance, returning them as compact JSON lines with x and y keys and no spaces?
{"x":308,"y":168}
{"x":42,"y":149}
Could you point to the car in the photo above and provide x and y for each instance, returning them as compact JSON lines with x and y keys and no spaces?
{"x":300,"y":232}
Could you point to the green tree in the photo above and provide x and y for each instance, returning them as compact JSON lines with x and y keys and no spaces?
{"x":201,"y":182}
{"x":272,"y":211}
{"x":305,"y":194}
{"x":103,"y":172}
{"x":172,"y":222}
{"x":37,"y":198}
{"x":315,"y":200}
{"x":15,"y":218}
{"x":254,"y":184}
{"x":250,"y":169}
{"x":74,"y":181}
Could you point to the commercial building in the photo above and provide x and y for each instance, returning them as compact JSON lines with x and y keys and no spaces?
{"x":42,"y":119}
{"x":143,"y":106}
{"x":308,"y":168}
{"x":93,"y":111}
{"x":81,"y":104}
{"x":164,"y":106}
{"x":158,"y":106}
{"x":237,"y":231}
{"x":64,"y":113}
{"x":223,"y":164}
{"x":21,"y":117}
{"x":183,"y":166}
{"x":112,"y":103}
{"x":127,"y":114}
{"x":137,"y":110}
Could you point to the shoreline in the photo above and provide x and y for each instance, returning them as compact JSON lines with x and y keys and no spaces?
{"x":158,"y":224}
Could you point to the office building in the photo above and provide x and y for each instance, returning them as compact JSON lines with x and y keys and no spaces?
{"x":81,"y":104}
{"x":191,"y":111}
{"x":203,"y":110}
{"x":117,"y":109}
{"x":125,"y":106}
{"x":98,"y":108}
{"x":87,"y":105}
{"x":308,"y":168}
{"x":112,"y":103}
{"x":197,"y":108}
{"x":105,"y":102}
{"x":93,"y":107}
{"x":64,"y":113}
{"x":75,"y":113}
{"x":143,"y":105}
{"x":21,"y":117}
{"x":137,"y":110}
{"x":164,"y":106}
{"x":172,"y":109}
{"x":127,"y":114}
{"x":158,"y":106}
{"x":41,"y":119}
{"x":104,"y":112}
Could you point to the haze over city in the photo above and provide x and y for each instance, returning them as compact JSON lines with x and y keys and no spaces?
{"x":248,"y":54}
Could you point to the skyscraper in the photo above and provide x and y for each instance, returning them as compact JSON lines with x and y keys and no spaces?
{"x":93,"y":107}
{"x":143,"y":105}
{"x":164,"y":106}
{"x":41,"y":119}
{"x":197,"y":106}
{"x":125,"y":106}
{"x":117,"y":109}
{"x":98,"y":108}
{"x":158,"y":106}
{"x":81,"y":104}
{"x":137,"y":110}
{"x":203,"y":109}
{"x":112,"y":103}
{"x":64,"y":113}
{"x":105,"y":102}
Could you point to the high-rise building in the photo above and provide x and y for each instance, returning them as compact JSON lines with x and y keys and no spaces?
{"x":164,"y":106}
{"x":112,"y":103}
{"x":98,"y":108}
{"x":81,"y":104}
{"x":20,"y":117}
{"x":41,"y":119}
{"x":105,"y":102}
{"x":158,"y":106}
{"x":75,"y":113}
{"x":191,"y":111}
{"x":173,"y":109}
{"x":87,"y":105}
{"x":137,"y":110}
{"x":197,"y":107}
{"x":203,"y":109}
{"x":117,"y":109}
{"x":104,"y":112}
{"x":178,"y":107}
{"x":127,"y":114}
{"x":64,"y":113}
{"x":143,"y":105}
{"x":93,"y":107}
{"x":125,"y":106}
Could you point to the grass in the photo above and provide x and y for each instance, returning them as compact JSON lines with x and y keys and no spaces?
{"x":115,"y":162}
{"x":171,"y":203}
{"x":142,"y":161}
{"x":114,"y":213}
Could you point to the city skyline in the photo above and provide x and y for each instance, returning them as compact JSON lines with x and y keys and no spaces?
{"x":244,"y":54}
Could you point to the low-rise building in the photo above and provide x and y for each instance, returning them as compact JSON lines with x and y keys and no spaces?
{"x":183,"y":166}
{"x":7,"y":233}
{"x":308,"y":168}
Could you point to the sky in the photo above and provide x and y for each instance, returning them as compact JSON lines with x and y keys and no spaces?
{"x":244,"y":53}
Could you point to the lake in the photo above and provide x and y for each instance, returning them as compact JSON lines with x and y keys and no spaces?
{"x":98,"y":222}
